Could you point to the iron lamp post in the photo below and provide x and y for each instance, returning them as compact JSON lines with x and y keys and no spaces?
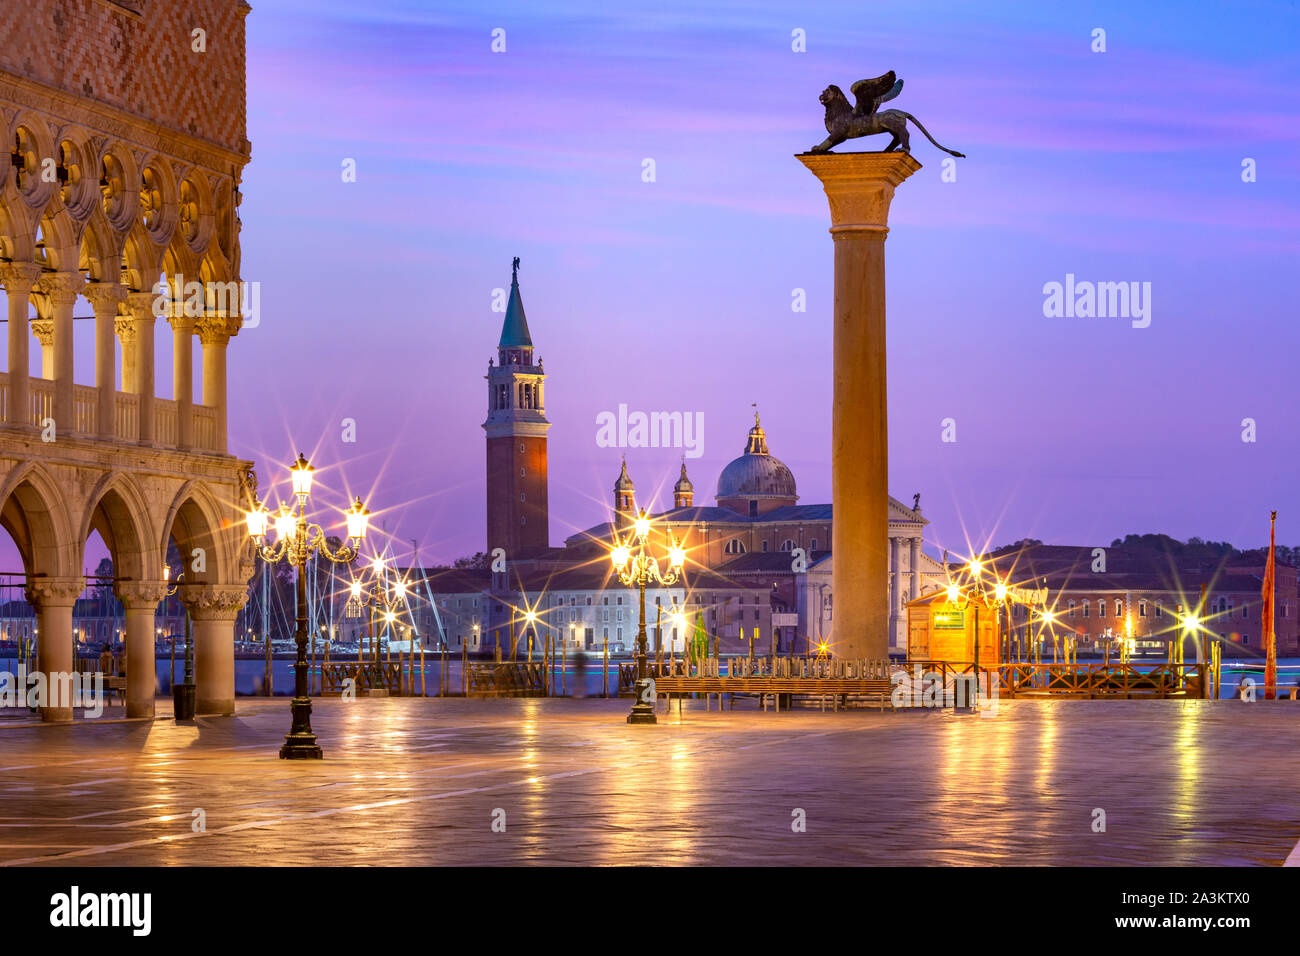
{"x":635,"y":567}
{"x":296,"y":542}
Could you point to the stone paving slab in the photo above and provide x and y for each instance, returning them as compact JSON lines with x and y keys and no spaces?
{"x":411,"y":781}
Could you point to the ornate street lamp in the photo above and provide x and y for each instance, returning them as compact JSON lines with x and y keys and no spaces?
{"x":386,"y":597}
{"x":296,"y":542}
{"x":636,"y":568}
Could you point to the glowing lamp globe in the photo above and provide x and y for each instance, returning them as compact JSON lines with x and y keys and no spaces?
{"x":257,"y":521}
{"x":620,"y":556}
{"x":642,"y":525}
{"x":284,"y":523}
{"x":301,"y":474}
{"x":358,"y":519}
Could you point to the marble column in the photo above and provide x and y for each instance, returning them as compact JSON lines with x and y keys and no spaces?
{"x":895,"y":586}
{"x":54,"y":599}
{"x":183,"y":379}
{"x":43,"y":329}
{"x":141,"y":599}
{"x":104,"y":298}
{"x":214,"y":609}
{"x":914,"y":564}
{"x":125,"y":329}
{"x":141,"y":306}
{"x":859,"y":188}
{"x":19,"y":279}
{"x":214,"y":334}
{"x":62,"y":290}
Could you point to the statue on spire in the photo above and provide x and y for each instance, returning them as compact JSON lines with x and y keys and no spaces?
{"x":514,"y":270}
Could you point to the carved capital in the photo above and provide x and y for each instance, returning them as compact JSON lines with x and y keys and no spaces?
{"x":214,"y":602}
{"x":43,"y":329}
{"x":54,"y":592}
{"x":19,"y":277}
{"x":104,"y":297}
{"x":140,"y":595}
{"x":140,"y":305}
{"x":61,"y":288}
{"x":182,"y":323}
{"x":124,"y":326}
{"x":860,"y":187}
{"x":213,"y":330}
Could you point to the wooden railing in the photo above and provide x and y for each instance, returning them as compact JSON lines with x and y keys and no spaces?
{"x":506,"y":679}
{"x":364,"y":675}
{"x":1102,"y":680}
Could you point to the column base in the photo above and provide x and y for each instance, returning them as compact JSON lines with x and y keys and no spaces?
{"x":137,"y":709}
{"x":215,"y":707}
{"x":56,"y":715}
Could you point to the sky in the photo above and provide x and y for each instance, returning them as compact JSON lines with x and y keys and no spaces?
{"x":676,"y":294}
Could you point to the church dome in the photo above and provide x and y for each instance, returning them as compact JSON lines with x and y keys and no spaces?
{"x":756,"y":474}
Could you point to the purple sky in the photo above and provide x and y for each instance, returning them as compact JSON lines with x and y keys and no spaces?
{"x":675,"y":295}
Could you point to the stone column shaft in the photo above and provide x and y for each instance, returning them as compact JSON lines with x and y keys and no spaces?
{"x":19,"y":279}
{"x":214,"y":609}
{"x":914,"y":564}
{"x":141,"y":305}
{"x":62,"y":289}
{"x":140,"y":599}
{"x":859,"y":188}
{"x":183,"y":379}
{"x":895,"y":586}
{"x":215,"y":335}
{"x":104,"y":297}
{"x":54,"y":599}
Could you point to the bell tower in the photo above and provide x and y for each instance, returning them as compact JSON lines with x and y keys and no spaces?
{"x":516,"y":426}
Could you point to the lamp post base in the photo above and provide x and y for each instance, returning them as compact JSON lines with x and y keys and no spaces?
{"x":300,"y":742}
{"x":643,"y":711}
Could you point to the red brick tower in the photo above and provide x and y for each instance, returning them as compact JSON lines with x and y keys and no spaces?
{"x":516,"y":426}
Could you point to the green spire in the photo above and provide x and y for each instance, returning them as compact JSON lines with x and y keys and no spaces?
{"x":514,"y":331}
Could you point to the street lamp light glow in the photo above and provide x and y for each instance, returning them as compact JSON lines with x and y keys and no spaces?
{"x":257,"y":521}
{"x":620,"y":556}
{"x":954,"y":594}
{"x":642,"y":525}
{"x":284,"y":523}
{"x":301,"y":474}
{"x":358,"y":519}
{"x":1000,"y":592}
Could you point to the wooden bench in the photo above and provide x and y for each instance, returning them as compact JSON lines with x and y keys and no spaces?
{"x":878,"y":690}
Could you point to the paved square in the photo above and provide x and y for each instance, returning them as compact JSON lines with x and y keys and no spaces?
{"x":410,"y":781}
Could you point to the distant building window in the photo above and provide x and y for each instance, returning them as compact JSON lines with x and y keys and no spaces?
{"x":1071,"y":609}
{"x":753,"y":509}
{"x":765,"y":545}
{"x":787,"y":545}
{"x":1142,"y":608}
{"x":1119,"y":608}
{"x":1245,"y":610}
{"x":1160,"y":611}
{"x":1101,"y":608}
{"x":1085,"y":608}
{"x":812,"y":545}
{"x":735,"y":546}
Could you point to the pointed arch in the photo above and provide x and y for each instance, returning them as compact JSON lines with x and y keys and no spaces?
{"x":32,"y":511}
{"x":119,"y":512}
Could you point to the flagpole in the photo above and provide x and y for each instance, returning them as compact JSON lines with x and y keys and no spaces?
{"x":1270,"y":631}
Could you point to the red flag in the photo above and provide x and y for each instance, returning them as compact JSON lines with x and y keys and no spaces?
{"x":1270,"y":634}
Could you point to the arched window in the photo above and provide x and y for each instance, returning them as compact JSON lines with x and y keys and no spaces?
{"x":787,"y":545}
{"x":735,"y":546}
{"x":812,"y":545}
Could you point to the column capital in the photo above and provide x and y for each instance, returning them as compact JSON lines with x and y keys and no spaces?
{"x":105,"y":296}
{"x":183,"y":323}
{"x":54,"y":592}
{"x":43,"y":329}
{"x":19,"y":276}
{"x":124,"y":326}
{"x":140,"y":595}
{"x":214,"y":329}
{"x":860,"y":187}
{"x":141,"y":305}
{"x":61,"y":288}
{"x":214,"y":602}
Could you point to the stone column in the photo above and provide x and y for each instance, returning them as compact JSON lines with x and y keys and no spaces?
{"x":895,"y":586}
{"x":214,"y":333}
{"x":859,"y":187}
{"x":140,"y":599}
{"x":104,"y":298}
{"x":19,"y":279}
{"x":43,"y":329}
{"x":141,"y":306}
{"x":214,"y":609}
{"x":183,"y":378}
{"x":62,"y":289}
{"x":914,"y":564}
{"x":54,"y":599}
{"x":125,"y":329}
